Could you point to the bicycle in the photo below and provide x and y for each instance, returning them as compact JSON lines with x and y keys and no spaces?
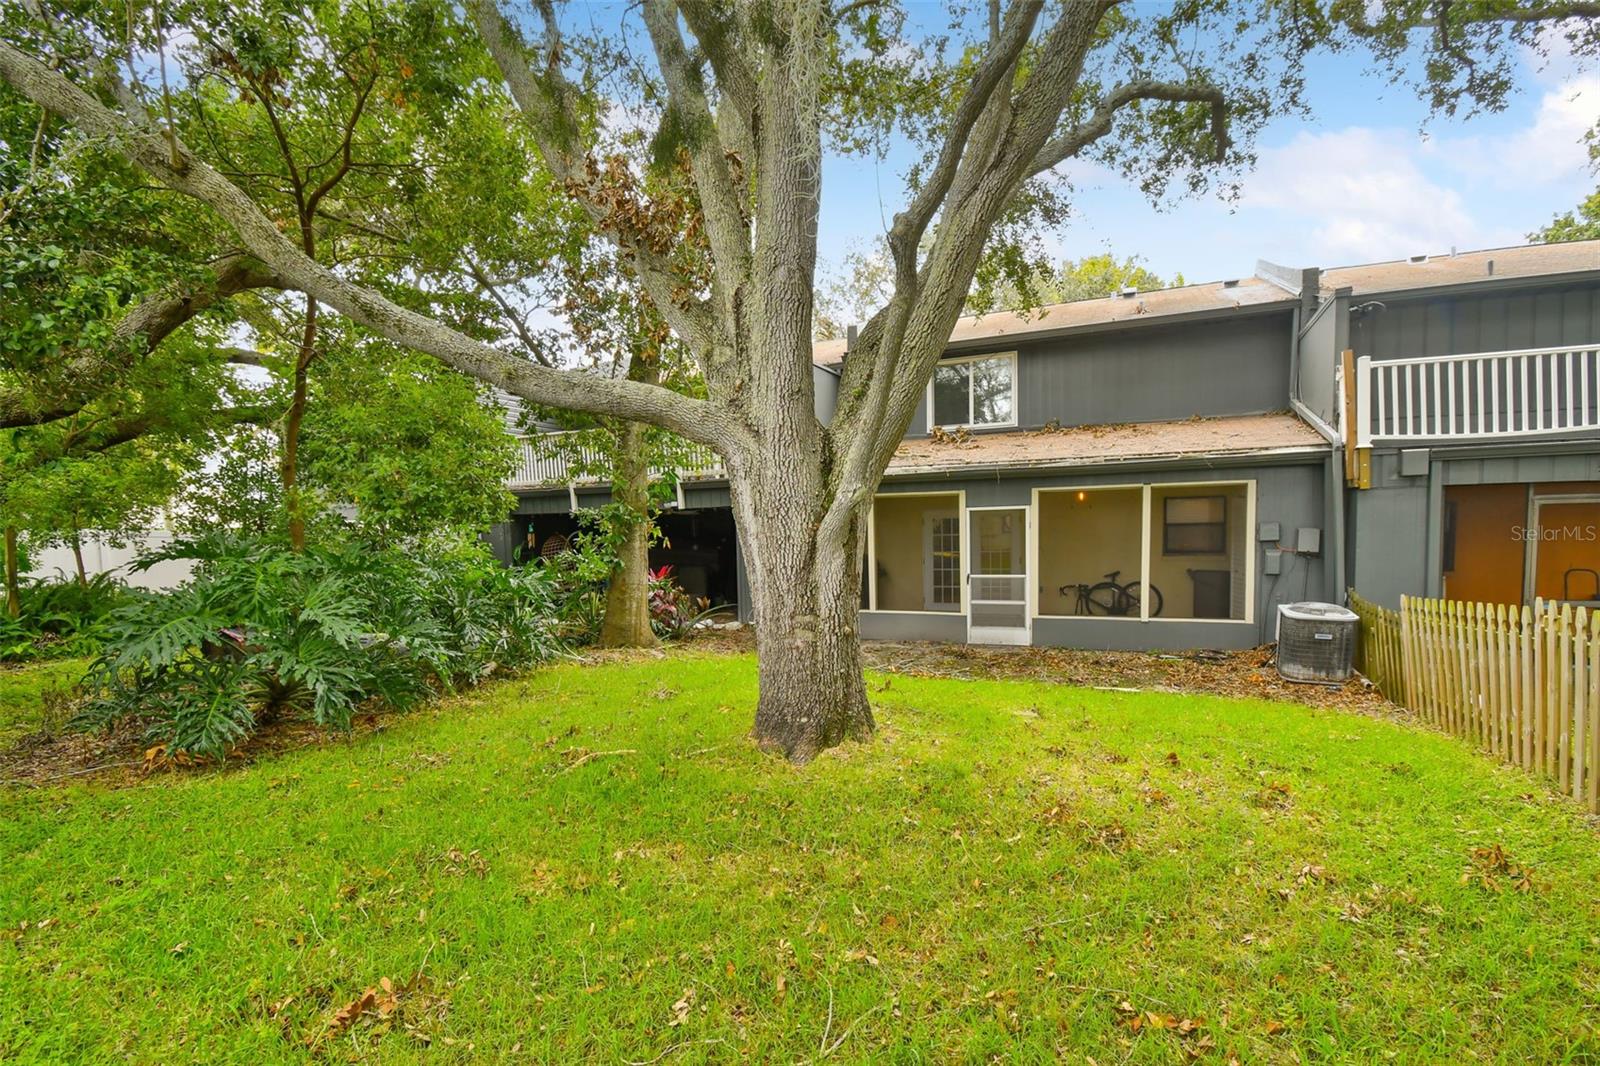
{"x":1110,"y":598}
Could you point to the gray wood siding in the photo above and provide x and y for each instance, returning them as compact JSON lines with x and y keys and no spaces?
{"x":1320,"y":349}
{"x":1461,"y":324}
{"x":1150,"y":373}
{"x":1160,"y":373}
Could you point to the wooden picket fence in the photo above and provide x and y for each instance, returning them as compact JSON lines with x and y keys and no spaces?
{"x":1522,"y":682}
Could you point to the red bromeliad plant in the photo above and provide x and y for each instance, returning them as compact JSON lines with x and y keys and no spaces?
{"x":673,"y":611}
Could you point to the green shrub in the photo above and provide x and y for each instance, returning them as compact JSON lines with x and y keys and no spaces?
{"x":62,"y":619}
{"x":261,"y":632}
{"x":577,"y":580}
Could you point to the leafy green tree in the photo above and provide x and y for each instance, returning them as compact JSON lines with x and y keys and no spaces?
{"x":396,"y":448}
{"x":1582,"y":224}
{"x":111,"y":495}
{"x":112,"y":355}
{"x":120,"y":291}
{"x":238,"y":490}
{"x":751,"y":96}
{"x":867,"y":279}
{"x":618,"y":333}
{"x":1088,"y":278}
{"x":413,"y":447}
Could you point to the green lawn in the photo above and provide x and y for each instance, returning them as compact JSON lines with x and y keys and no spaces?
{"x":994,"y":877}
{"x":31,"y":697}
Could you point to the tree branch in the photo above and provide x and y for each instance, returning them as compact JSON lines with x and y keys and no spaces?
{"x":719,"y":199}
{"x":138,"y":331}
{"x":1098,"y":124}
{"x":514,"y":320}
{"x":332,"y":180}
{"x":545,"y":101}
{"x":736,"y":82}
{"x":692,"y":418}
{"x":1000,"y":59}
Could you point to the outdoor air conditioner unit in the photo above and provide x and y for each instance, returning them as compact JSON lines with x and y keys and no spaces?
{"x":1316,"y":642}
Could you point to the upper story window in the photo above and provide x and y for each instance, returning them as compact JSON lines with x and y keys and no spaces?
{"x":977,"y":391}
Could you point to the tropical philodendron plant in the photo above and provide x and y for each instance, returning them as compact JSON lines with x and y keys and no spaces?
{"x":262,"y":632}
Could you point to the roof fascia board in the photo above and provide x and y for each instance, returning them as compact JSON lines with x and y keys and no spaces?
{"x":1504,"y":449}
{"x":1186,"y":318}
{"x":1486,"y":284}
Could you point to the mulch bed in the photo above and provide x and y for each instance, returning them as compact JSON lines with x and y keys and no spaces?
{"x":1240,"y":674}
{"x":118,"y":758}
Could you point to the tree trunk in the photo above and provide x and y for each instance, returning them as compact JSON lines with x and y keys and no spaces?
{"x":806,"y":610}
{"x":291,"y":430}
{"x":13,"y":589}
{"x":627,"y":617}
{"x":77,"y":557}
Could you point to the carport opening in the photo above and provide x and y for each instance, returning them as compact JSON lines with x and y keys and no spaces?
{"x":699,"y":545}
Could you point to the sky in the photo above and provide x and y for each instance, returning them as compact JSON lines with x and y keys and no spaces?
{"x":1369,"y":178}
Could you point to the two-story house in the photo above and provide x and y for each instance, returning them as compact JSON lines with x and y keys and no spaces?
{"x":1162,"y":469}
{"x":1473,"y":421}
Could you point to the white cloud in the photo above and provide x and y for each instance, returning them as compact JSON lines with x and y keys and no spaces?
{"x":1357,"y":195}
{"x":1550,"y":150}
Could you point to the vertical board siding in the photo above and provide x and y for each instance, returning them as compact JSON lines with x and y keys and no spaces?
{"x":1451,"y":325}
{"x":1523,"y":683}
{"x":1154,"y":374}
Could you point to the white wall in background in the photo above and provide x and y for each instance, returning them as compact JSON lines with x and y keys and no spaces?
{"x":99,"y":557}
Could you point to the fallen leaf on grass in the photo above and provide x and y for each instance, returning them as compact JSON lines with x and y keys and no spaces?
{"x":1111,"y":836}
{"x":1154,"y":797}
{"x":1488,"y":865}
{"x":680,"y":1009}
{"x":458,"y":862}
{"x":346,"y":1016}
{"x":1274,"y":796}
{"x":1131,"y":1017}
{"x":1312,"y":872}
{"x":1056,"y":814}
{"x":380,"y":1006}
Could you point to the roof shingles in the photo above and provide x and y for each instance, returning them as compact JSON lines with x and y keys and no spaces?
{"x":1191,"y":438}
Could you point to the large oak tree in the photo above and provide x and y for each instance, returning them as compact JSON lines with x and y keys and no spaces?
{"x":751,"y":94}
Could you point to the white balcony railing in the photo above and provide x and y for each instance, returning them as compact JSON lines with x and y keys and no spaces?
{"x":1532,"y":392}
{"x":538,"y":466}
